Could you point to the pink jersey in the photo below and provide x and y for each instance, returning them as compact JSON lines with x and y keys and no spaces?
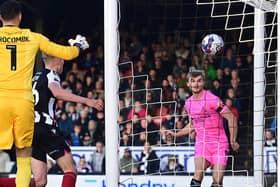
{"x":206,"y":118}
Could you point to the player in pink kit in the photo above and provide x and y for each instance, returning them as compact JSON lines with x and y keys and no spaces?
{"x":206,"y":113}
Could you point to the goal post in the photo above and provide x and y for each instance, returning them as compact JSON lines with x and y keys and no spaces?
{"x":111,"y":91}
{"x":259,"y":95}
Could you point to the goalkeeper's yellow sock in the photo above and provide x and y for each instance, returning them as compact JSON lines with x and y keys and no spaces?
{"x":23,"y":175}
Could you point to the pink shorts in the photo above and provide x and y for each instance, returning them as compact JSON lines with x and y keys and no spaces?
{"x":214,"y":153}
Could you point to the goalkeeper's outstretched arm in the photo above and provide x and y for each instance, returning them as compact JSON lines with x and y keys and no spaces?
{"x":61,"y":51}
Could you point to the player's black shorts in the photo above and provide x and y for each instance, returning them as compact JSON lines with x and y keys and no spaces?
{"x":48,"y":140}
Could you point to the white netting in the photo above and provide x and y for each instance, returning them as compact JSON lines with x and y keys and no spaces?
{"x":239,"y":15}
{"x":187,"y":23}
{"x":156,"y":112}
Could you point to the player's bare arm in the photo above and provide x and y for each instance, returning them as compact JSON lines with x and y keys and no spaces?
{"x":60,"y":93}
{"x":185,"y":131}
{"x":232,"y":124}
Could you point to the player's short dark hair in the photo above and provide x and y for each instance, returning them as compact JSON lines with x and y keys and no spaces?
{"x":10,"y":9}
{"x":196,"y":73}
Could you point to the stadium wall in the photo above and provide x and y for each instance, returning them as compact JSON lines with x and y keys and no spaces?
{"x":185,"y":155}
{"x":149,"y":181}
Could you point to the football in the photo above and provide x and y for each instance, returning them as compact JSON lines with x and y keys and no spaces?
{"x":212,"y":44}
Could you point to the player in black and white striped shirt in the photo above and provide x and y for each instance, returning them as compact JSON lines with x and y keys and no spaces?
{"x":46,"y":90}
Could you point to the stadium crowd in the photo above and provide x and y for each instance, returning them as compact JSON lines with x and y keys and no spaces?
{"x":145,"y":116}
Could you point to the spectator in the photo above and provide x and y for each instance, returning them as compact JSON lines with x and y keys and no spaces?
{"x":179,"y":68}
{"x":4,"y":161}
{"x":154,"y":78}
{"x":93,"y":73}
{"x":172,"y":82}
{"x":209,"y":70}
{"x":137,"y":109}
{"x":98,"y":158}
{"x":220,"y":75}
{"x":182,"y":95}
{"x":160,"y":115}
{"x":169,"y":122}
{"x":99,"y":56}
{"x":75,"y":70}
{"x":72,"y":114}
{"x":71,"y":80}
{"x":87,"y":140}
{"x":98,"y":91}
{"x":235,"y":75}
{"x":196,"y":63}
{"x":163,"y":135}
{"x":169,"y":45}
{"x":235,"y":101}
{"x":149,"y":161}
{"x":160,"y":69}
{"x":88,"y":62}
{"x":217,"y":89}
{"x":270,"y":140}
{"x":128,"y":99}
{"x":79,"y":89}
{"x":60,"y":107}
{"x":239,"y":91}
{"x":141,"y":139}
{"x":83,"y":120}
{"x":92,"y":131}
{"x":273,"y":125}
{"x":128,"y":163}
{"x":181,"y":81}
{"x":100,"y":127}
{"x":169,"y":140}
{"x":65,"y":125}
{"x":123,"y":110}
{"x":125,"y":140}
{"x":143,"y":58}
{"x":127,"y":129}
{"x":83,"y":166}
{"x":76,"y":136}
{"x":228,"y":61}
{"x":140,"y":71}
{"x":147,"y":125}
{"x":182,"y":52}
{"x":173,"y":165}
{"x":135,"y":46}
{"x":227,"y":76}
{"x":79,"y":107}
{"x":88,"y":84}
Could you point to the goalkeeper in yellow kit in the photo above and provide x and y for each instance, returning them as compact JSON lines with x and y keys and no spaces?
{"x":18,"y":48}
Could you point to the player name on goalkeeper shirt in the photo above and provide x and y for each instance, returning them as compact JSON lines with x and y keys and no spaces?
{"x":14,"y":39}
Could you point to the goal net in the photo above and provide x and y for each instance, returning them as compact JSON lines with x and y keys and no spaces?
{"x":159,"y":44}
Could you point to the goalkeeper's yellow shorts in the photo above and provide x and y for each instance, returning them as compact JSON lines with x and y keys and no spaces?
{"x":16,"y":122}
